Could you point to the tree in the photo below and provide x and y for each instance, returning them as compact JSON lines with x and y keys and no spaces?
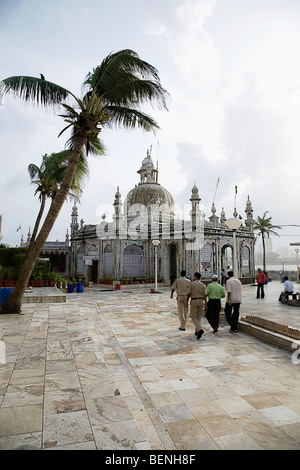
{"x":114,"y":93}
{"x":48,"y":178}
{"x":264,"y":226}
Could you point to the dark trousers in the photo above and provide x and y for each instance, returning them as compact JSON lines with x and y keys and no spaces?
{"x":284,"y":297}
{"x":260,"y":290}
{"x":213,"y":312}
{"x":232,"y":313}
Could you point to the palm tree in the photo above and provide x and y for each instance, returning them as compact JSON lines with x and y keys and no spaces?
{"x":114,"y":92}
{"x":265,"y":228}
{"x":48,"y":177}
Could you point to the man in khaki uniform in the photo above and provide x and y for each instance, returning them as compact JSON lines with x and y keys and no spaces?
{"x":197,"y":293}
{"x":181,"y":285}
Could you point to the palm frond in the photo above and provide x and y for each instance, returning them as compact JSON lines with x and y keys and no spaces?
{"x":123,"y":78}
{"x":34,"y":89}
{"x":131,"y":118}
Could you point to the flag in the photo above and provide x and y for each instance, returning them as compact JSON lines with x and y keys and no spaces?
{"x":19,"y":228}
{"x":218,"y":182}
{"x":235,"y":189}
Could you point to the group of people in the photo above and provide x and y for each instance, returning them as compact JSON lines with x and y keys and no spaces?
{"x":208,"y":297}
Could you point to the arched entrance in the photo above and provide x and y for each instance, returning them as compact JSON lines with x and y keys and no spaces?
{"x":227,"y":256}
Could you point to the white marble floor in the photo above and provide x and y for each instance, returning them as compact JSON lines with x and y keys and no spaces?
{"x":111,"y":370}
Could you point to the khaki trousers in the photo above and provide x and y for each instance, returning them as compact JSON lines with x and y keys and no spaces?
{"x":182,"y":311}
{"x":196,"y":313}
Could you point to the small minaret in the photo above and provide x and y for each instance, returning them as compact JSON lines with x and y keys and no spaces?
{"x":223,"y":216}
{"x":195,"y":212}
{"x":214,"y":218}
{"x":28,"y":236}
{"x":74,"y":219}
{"x":67,"y":239}
{"x":117,"y":205}
{"x":249,"y":212}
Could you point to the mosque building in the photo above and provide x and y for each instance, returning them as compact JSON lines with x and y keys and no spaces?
{"x":124,"y":247}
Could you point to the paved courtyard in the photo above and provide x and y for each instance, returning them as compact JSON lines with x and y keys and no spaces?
{"x":111,"y":370}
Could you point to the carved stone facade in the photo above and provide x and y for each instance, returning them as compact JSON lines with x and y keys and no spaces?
{"x":123,"y":247}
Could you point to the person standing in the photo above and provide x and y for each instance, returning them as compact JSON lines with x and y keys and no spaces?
{"x":261,"y":279}
{"x":181,"y":285}
{"x":215,"y":292}
{"x":223,"y":276}
{"x":197,"y":293}
{"x":233,"y":301}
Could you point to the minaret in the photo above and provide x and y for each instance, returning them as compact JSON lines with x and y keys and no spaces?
{"x":28,"y":236}
{"x":67,"y":239}
{"x":195,"y":212}
{"x":74,"y":219}
{"x":249,"y":211}
{"x":214,"y":218}
{"x":223,"y":216}
{"x":117,"y":205}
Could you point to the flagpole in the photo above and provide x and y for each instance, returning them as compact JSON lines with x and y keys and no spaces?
{"x":216,"y":190}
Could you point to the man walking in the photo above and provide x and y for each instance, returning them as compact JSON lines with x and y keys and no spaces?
{"x":197,"y":293}
{"x":261,"y":279}
{"x":181,"y":285}
{"x":215,"y":292}
{"x":233,"y":301}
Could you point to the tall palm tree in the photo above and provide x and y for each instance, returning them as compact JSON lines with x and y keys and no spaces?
{"x":114,"y":92}
{"x":264,"y":226}
{"x":48,"y":177}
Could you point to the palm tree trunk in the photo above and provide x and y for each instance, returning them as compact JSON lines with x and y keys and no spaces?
{"x":264,"y":252}
{"x":38,"y":220}
{"x":13,"y":303}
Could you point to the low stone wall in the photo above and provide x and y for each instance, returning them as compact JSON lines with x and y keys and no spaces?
{"x":273,"y":326}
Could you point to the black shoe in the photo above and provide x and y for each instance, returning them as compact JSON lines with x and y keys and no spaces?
{"x":200,"y":334}
{"x":182,"y":329}
{"x":215,"y":330}
{"x":196,"y":333}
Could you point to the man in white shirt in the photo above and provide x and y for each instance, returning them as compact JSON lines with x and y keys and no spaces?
{"x":233,"y":301}
{"x":288,"y":288}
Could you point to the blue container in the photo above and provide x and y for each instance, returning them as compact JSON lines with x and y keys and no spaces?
{"x":70,"y":288}
{"x":4,"y":293}
{"x":79,"y":287}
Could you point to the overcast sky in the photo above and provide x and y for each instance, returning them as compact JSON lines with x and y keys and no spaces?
{"x":232,"y":69}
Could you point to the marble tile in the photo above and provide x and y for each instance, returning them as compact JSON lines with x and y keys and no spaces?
{"x":63,"y":401}
{"x":188,"y":436}
{"x":20,"y":420}
{"x":220,"y":425}
{"x":122,"y":435}
{"x":21,"y":395}
{"x":66,"y":428}
{"x":238,"y":441}
{"x":174,"y":413}
{"x":261,"y":400}
{"x":108,"y":409}
{"x":32,"y":441}
{"x":281,"y":415}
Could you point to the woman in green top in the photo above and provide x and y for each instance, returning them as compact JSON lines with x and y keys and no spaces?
{"x":215,"y":293}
